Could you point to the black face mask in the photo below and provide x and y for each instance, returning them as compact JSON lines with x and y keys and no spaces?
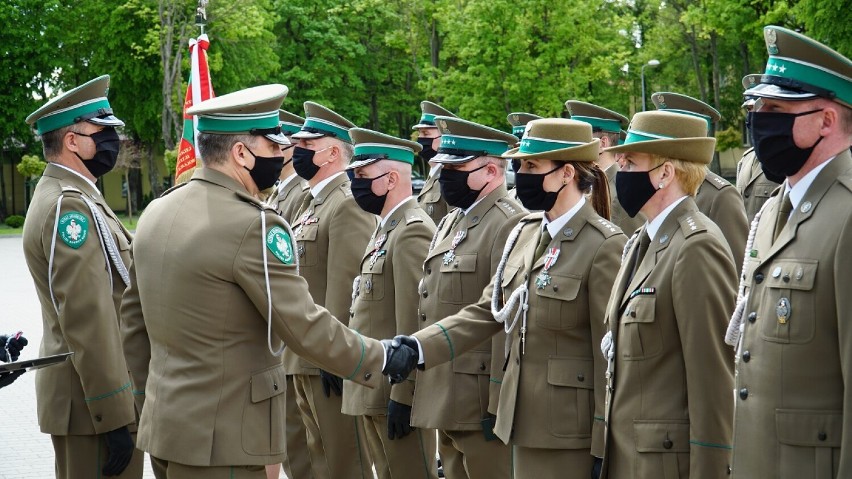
{"x":107,"y":146}
{"x":530,"y":188}
{"x":634,"y":189}
{"x":428,"y":152}
{"x":516,"y":165}
{"x":455,"y":190}
{"x":303,"y":162}
{"x":362,"y":190}
{"x":266,"y":170}
{"x":772,"y":133}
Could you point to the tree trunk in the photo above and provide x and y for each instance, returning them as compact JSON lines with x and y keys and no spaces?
{"x":3,"y":211}
{"x":171,"y":54}
{"x":717,"y":77}
{"x":154,"y":174}
{"x":435,"y":47}
{"x":696,"y":63}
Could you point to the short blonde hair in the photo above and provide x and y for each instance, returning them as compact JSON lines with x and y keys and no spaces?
{"x":687,"y":173}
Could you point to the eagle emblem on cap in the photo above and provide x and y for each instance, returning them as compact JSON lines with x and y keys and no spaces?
{"x":662,"y":102}
{"x":771,"y":38}
{"x":442,"y":124}
{"x":515,"y":117}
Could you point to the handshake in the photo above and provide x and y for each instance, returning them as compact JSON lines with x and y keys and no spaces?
{"x":401,"y":357}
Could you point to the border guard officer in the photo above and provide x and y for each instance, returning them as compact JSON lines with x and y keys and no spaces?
{"x":385,"y":299}
{"x":78,"y":253}
{"x":213,"y":380}
{"x":291,"y":189}
{"x":332,"y":232}
{"x":429,"y":137}
{"x":793,"y":414}
{"x":752,"y":183}
{"x":608,"y":126}
{"x":668,"y":404}
{"x":717,"y":198}
{"x":460,"y":398}
{"x":518,"y":121}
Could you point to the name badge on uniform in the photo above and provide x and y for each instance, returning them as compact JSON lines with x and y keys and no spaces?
{"x":450,"y":255}
{"x":543,"y":279}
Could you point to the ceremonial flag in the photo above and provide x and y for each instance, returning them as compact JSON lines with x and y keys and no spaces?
{"x":199,"y":89}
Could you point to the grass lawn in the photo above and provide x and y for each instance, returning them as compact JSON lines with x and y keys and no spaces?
{"x":131,"y":225}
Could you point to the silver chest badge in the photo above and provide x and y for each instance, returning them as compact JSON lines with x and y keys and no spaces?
{"x":783,"y":310}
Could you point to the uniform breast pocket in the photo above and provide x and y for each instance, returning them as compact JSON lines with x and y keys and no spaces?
{"x":571,"y":404}
{"x":557,"y":303}
{"x":509,"y":273}
{"x":264,"y":412}
{"x":458,"y":280}
{"x":373,"y":280}
{"x":809,"y":442}
{"x":788,"y":304}
{"x":639,"y":336}
{"x":306,"y":246}
{"x":763,"y":190}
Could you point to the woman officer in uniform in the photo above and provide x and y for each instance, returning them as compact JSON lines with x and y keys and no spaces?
{"x":669,"y":408}
{"x":550,"y":294}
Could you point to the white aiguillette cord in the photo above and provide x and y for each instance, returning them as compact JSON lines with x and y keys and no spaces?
{"x":735,"y":326}
{"x":266,"y":280}
{"x":518,"y":298}
{"x":108,"y":247}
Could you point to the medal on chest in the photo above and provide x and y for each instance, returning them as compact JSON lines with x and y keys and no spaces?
{"x":543,"y":279}
{"x":450,"y":255}
{"x":377,"y":251}
{"x":306,"y":219}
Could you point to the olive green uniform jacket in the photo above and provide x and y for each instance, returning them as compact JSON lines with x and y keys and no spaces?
{"x":386,"y":301}
{"x":332,"y":233}
{"x":549,"y":390}
{"x":89,"y":393}
{"x":213,"y":390}
{"x":430,"y":199}
{"x":456,"y":396}
{"x":753,"y":184}
{"x":288,"y":198}
{"x":793,"y":411}
{"x":719,"y":200}
{"x":669,"y":410}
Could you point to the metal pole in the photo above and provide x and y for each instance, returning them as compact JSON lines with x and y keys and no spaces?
{"x":642,"y":70}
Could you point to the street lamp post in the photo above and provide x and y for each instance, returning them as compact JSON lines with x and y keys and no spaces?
{"x":651,"y":63}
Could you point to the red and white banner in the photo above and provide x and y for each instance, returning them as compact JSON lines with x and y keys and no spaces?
{"x":200,"y":88}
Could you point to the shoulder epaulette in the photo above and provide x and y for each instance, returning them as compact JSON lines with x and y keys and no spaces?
{"x":71,"y":189}
{"x":606,"y":227}
{"x":254,"y":202}
{"x":845,"y":181}
{"x":415,"y":215}
{"x":538,"y":216}
{"x":174,"y":188}
{"x":691,"y":224}
{"x":717,"y":181}
{"x":509,"y":207}
{"x":305,"y":186}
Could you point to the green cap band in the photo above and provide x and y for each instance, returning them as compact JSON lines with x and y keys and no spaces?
{"x":812,"y":74}
{"x":427,"y":119}
{"x":636,"y":136}
{"x":518,"y":130}
{"x":491,"y":147}
{"x":235,"y":124}
{"x":289,"y":128}
{"x":538,"y":145}
{"x":604,"y":124}
{"x":69,"y":116}
{"x":318,"y":125}
{"x":384,"y":152}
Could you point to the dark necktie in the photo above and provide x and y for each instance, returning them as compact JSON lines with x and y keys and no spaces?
{"x":543,"y":242}
{"x":644,"y":243}
{"x":306,"y":202}
{"x":783,"y":215}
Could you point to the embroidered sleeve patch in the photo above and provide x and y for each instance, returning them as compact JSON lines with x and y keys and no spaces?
{"x":74,"y":228}
{"x":280,"y":244}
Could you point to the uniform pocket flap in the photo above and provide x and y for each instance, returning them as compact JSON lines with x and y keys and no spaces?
{"x":561,"y":287}
{"x":797,"y":427}
{"x":764,"y":190}
{"x":792,"y":274}
{"x":267,"y":383}
{"x":640,"y":309}
{"x":308,"y":233}
{"x":509,"y":273}
{"x":571,"y":372}
{"x":474,"y":362}
{"x":661,"y":436}
{"x":463,"y":263}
